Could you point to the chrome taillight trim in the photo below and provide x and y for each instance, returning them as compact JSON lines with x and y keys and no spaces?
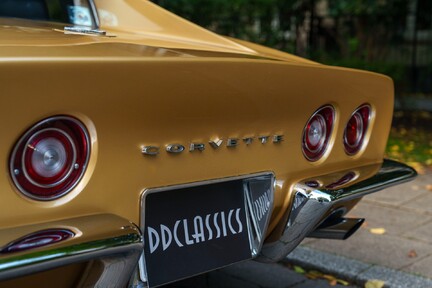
{"x":352,"y":150}
{"x":95,"y":14}
{"x":327,"y":135}
{"x":14,"y":172}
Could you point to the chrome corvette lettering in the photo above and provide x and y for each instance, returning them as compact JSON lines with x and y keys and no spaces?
{"x":214,"y":143}
{"x":278,"y":138}
{"x":248,"y":140}
{"x":263,"y":139}
{"x":232,"y":142}
{"x":150,"y":150}
{"x":175,"y":148}
{"x":191,"y":232}
{"x":196,"y":146}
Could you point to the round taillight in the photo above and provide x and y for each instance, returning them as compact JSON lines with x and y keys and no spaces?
{"x":50,"y":158}
{"x":317,"y":133}
{"x":349,"y":177}
{"x":356,"y":128}
{"x":38,"y":239}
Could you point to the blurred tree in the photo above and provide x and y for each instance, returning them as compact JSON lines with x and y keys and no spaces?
{"x":367,"y":28}
{"x":363,"y":28}
{"x":270,"y":22}
{"x":377,"y":35}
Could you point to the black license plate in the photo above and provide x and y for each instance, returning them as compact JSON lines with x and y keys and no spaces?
{"x":191,"y":230}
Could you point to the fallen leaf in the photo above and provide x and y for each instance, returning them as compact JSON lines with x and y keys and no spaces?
{"x":329,"y":277}
{"x":342,"y":282}
{"x":314,"y":274}
{"x":299,"y":269}
{"x":374,"y":284}
{"x":378,"y":231}
{"x":429,"y":187}
{"x":365,"y":224}
{"x":311,"y":277}
{"x":412,"y":254}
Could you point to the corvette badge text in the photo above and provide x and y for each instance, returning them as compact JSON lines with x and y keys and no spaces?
{"x":176,"y":148}
{"x":197,"y":230}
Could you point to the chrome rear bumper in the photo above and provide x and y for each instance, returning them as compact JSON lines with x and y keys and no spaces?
{"x":116,"y":244}
{"x":112,"y":241}
{"x":311,"y":205}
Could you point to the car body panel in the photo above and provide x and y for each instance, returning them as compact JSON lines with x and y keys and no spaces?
{"x":217,"y":100}
{"x":156,"y":80}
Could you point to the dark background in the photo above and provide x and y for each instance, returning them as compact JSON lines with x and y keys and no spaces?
{"x":393,"y":37}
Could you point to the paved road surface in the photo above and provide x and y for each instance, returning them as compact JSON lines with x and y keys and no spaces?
{"x":251,"y":274}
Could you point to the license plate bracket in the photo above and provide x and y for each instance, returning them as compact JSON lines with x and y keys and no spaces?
{"x":195,"y":228}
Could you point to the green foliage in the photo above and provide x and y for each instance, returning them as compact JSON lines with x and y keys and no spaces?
{"x":374,"y":9}
{"x":410,"y":139}
{"x":374,"y":24}
{"x":364,"y":34}
{"x":396,"y":71}
{"x":261,"y":21}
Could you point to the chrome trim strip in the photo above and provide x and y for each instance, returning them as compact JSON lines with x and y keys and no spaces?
{"x":95,"y":14}
{"x":84,"y":30}
{"x":261,"y":207}
{"x":311,"y":205}
{"x":111,"y":240}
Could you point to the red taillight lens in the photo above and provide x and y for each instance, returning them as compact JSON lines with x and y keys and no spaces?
{"x":342,"y":181}
{"x":356,"y":128}
{"x":50,"y":158}
{"x":38,"y":239}
{"x":317,"y":133}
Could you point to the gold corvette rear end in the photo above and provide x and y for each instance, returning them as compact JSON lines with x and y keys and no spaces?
{"x":168,"y":114}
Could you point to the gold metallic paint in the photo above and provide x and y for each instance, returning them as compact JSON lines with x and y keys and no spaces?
{"x":149,"y":102}
{"x":163,"y":80}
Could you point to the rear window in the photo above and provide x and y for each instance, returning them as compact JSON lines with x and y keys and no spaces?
{"x":76,"y":12}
